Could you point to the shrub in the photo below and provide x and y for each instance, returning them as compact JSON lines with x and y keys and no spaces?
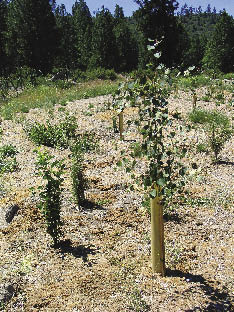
{"x":50,"y":194}
{"x":218,"y":136}
{"x":53,"y":135}
{"x":101,"y":73}
{"x":8,"y":161}
{"x":217,"y":126}
{"x":206,"y":117}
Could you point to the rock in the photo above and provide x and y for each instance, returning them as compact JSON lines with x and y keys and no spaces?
{"x":6,"y":292}
{"x":11,"y":212}
{"x":7,"y":214}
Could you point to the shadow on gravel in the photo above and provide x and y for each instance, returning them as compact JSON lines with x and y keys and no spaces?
{"x":173,"y":217}
{"x":65,"y":247}
{"x":224,"y":162}
{"x":220,"y":301}
{"x":89,"y":205}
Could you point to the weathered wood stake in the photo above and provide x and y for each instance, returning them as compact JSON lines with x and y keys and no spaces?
{"x":157,"y":235}
{"x":121,"y":125}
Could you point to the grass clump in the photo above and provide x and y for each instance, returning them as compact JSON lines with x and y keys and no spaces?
{"x":53,"y":135}
{"x":218,"y":129}
{"x":47,"y":95}
{"x":208,"y":117}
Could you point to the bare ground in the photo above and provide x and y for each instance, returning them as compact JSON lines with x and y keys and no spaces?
{"x":103,"y":263}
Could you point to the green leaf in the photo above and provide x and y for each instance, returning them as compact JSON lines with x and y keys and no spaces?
{"x":153,"y":193}
{"x":157,"y":55}
{"x":161,"y":182}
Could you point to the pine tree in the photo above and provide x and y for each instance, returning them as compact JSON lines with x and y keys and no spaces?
{"x":125,"y":44}
{"x":219,"y":54}
{"x":32,"y":34}
{"x":82,"y":23}
{"x":3,"y":29}
{"x":104,"y":51}
{"x":67,"y":56}
{"x":156,"y":19}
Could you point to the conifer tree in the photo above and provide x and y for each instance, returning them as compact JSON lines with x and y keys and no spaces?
{"x":3,"y":29}
{"x":82,"y":23}
{"x":125,"y":44}
{"x":219,"y":54}
{"x":67,"y":56}
{"x":156,"y":19}
{"x":104,"y":51}
{"x":32,"y":34}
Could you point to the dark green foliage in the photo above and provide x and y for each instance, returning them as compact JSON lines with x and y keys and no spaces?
{"x":125,"y":43}
{"x":155,"y":19}
{"x":3,"y":29}
{"x":82,"y":23}
{"x":32,"y":34}
{"x":50,"y":194}
{"x":100,"y":73}
{"x":67,"y":54}
{"x":104,"y":50}
{"x":53,"y":135}
{"x":219,"y":54}
{"x":199,"y":26}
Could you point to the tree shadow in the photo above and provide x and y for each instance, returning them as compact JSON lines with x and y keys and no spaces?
{"x":224,"y":162}
{"x":220,"y":301}
{"x":173,"y":216}
{"x":65,"y":247}
{"x":89,"y":205}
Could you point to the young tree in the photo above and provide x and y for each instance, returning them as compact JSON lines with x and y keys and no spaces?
{"x":219,"y":54}
{"x":82,"y":23}
{"x":104,"y":51}
{"x":32,"y":35}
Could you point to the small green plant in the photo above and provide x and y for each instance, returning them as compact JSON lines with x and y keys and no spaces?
{"x":8,"y":161}
{"x":53,"y":135}
{"x":218,"y":136}
{"x":138,"y":304}
{"x":208,"y":117}
{"x":8,"y":150}
{"x":50,"y":194}
{"x":218,"y":129}
{"x":202,"y":148}
{"x":77,"y":173}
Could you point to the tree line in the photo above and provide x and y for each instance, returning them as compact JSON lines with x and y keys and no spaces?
{"x":42,"y":35}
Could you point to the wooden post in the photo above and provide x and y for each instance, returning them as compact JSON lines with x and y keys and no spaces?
{"x":194,"y":101}
{"x":121,"y":125}
{"x":157,"y":235}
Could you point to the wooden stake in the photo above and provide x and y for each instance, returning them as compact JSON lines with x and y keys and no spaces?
{"x":121,"y":125}
{"x":157,"y":235}
{"x":194,"y":101}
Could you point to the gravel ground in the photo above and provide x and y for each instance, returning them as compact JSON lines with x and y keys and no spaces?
{"x":103,"y":263}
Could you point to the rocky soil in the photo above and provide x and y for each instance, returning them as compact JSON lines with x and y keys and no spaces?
{"x":103,"y":263}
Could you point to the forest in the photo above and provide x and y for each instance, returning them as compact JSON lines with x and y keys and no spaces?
{"x":44,"y":37}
